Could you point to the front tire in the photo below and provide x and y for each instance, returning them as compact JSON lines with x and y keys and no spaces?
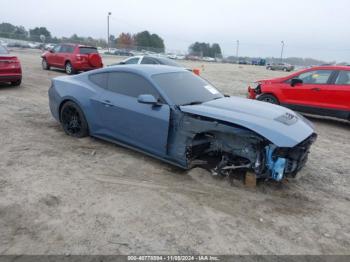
{"x":268,"y":99}
{"x":16,"y":83}
{"x":69,"y":68}
{"x":73,"y":120}
{"x":45,"y":65}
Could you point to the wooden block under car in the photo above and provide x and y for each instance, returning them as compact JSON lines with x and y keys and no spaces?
{"x":250,"y":180}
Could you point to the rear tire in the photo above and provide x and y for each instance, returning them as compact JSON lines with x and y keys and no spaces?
{"x":268,"y":99}
{"x":16,"y":83}
{"x":73,"y":120}
{"x":285,"y":69}
{"x":69,"y":68}
{"x":45,"y":65}
{"x":268,"y":68}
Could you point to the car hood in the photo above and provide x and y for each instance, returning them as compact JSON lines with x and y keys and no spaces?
{"x":281,"y":126}
{"x":273,"y":80}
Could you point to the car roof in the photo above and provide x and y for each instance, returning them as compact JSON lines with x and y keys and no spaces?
{"x":78,"y":45}
{"x":145,"y":70}
{"x":330,"y":67}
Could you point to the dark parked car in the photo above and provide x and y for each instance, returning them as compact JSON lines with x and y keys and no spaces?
{"x":72,"y":58}
{"x":280,"y":66}
{"x":259,"y":62}
{"x":178,"y":117}
{"x":10,"y":68}
{"x":121,"y":52}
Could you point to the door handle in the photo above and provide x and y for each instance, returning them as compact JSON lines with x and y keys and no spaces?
{"x":107,"y":103}
{"x":316,"y":89}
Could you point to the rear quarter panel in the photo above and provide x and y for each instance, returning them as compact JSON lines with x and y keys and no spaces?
{"x":71,"y":89}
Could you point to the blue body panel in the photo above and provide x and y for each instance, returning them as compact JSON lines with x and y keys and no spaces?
{"x":152,"y":128}
{"x":260,"y":117}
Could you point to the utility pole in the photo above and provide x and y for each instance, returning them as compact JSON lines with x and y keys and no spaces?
{"x":108,"y":36}
{"x":282,"y":42}
{"x":237,"y":49}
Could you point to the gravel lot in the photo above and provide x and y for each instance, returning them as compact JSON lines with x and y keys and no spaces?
{"x":60,"y":195}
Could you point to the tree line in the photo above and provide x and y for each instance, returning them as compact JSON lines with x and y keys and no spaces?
{"x":205,"y":50}
{"x":141,"y":40}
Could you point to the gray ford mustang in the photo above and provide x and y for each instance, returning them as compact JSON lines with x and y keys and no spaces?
{"x":178,"y":117}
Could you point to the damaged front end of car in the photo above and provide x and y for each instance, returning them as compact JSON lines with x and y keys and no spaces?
{"x":226,"y":149}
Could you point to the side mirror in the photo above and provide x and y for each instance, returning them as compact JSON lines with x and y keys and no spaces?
{"x":296,"y":81}
{"x":122,"y":63}
{"x":147,"y":99}
{"x":51,"y":51}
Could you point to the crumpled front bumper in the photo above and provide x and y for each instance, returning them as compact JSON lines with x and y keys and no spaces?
{"x":253,"y":93}
{"x":287,"y":162}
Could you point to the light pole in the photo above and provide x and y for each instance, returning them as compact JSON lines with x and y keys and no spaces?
{"x":109,"y":13}
{"x":237,"y":49}
{"x":282,"y":42}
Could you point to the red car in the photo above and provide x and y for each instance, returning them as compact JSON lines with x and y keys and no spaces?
{"x":10,"y":68}
{"x":322,"y":90}
{"x":72,"y":58}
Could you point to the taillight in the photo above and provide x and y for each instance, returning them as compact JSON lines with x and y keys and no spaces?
{"x":12,"y":61}
{"x":79,"y":57}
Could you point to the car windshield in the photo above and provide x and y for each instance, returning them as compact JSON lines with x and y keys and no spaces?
{"x":88,"y":50}
{"x":166,"y":61}
{"x":3,"y":50}
{"x":185,"y":88}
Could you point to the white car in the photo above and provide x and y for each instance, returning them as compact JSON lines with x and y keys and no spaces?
{"x":153,"y":60}
{"x":149,"y":60}
{"x":209,"y":59}
{"x":49,"y":46}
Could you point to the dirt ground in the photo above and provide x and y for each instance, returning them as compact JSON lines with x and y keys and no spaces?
{"x":60,"y":195}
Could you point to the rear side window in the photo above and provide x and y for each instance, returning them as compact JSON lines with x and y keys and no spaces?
{"x":343,"y":78}
{"x":66,"y":49}
{"x":316,"y":77}
{"x":130,"y":84}
{"x":69,"y":49}
{"x":148,"y":61}
{"x":88,"y":50}
{"x":100,"y":79}
{"x":3,"y":50}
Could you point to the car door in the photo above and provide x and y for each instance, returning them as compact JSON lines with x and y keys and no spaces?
{"x":61,"y":55}
{"x":123,"y":118}
{"x":52,"y":56}
{"x":311,"y":93}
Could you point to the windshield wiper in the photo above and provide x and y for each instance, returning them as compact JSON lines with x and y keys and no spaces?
{"x":193,"y":103}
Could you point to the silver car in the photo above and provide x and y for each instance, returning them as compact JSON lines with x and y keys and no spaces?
{"x":280,"y":66}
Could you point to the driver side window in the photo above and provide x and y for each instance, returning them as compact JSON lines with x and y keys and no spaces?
{"x":130,"y":84}
{"x":315,"y":77}
{"x":57,"y":48}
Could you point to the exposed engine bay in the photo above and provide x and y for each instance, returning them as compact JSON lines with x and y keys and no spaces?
{"x":224,"y":148}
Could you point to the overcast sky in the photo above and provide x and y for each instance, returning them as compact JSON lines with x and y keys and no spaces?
{"x":309,"y":28}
